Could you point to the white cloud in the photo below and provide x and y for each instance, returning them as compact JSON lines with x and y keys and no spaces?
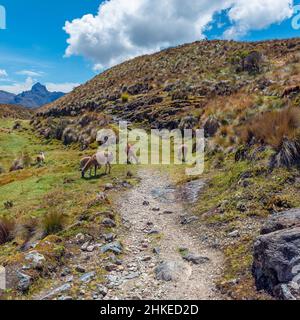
{"x":256,"y":15}
{"x":3,"y":73}
{"x":18,"y":87}
{"x":30,"y":73}
{"x":123,"y":29}
{"x":61,"y":87}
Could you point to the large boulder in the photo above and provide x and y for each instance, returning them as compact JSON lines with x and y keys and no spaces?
{"x":282,"y":220}
{"x":276,"y":266}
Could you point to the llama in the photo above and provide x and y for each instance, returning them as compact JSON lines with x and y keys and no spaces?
{"x":40,"y":159}
{"x":101,"y":158}
{"x":87,"y":163}
{"x":182,"y":153}
{"x":131,"y":154}
{"x":105,"y":158}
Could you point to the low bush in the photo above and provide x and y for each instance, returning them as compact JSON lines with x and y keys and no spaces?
{"x":52,"y":223}
{"x":125,"y":97}
{"x":273,"y":127}
{"x":6,"y":230}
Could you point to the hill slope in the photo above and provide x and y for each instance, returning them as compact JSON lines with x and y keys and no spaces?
{"x":14,"y":111}
{"x":182,"y":87}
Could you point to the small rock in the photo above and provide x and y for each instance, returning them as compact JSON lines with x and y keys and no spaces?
{"x":171,"y":271}
{"x":109,"y":223}
{"x":109,"y":237}
{"x":145,"y":245}
{"x":184,"y":220}
{"x":110,"y":267}
{"x":65,"y":298}
{"x":80,"y":238}
{"x":234,"y":234}
{"x":167,"y":212}
{"x":102,"y":290}
{"x":195,"y":259}
{"x":147,"y":258}
{"x":36,"y":259}
{"x":116,"y":261}
{"x":80,"y":269}
{"x":129,"y":174}
{"x":146,"y":203}
{"x":132,"y":275}
{"x":69,"y":278}
{"x":57,"y":291}
{"x":156,"y":250}
{"x":163,"y":272}
{"x":153,"y":231}
{"x":156,"y":209}
{"x":90,"y":248}
{"x":24,"y":283}
{"x":108,"y":186}
{"x":115,"y":247}
{"x":241,"y":207}
{"x":65,"y":271}
{"x":113,"y":281}
{"x":85,"y":246}
{"x":87,"y":277}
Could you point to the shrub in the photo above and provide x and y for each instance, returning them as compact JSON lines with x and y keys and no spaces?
{"x":273,"y":127}
{"x":125,"y":97}
{"x":52,"y":223}
{"x":27,"y":228}
{"x":288,"y":155}
{"x":250,"y":62}
{"x":26,"y":159}
{"x":16,"y":165}
{"x":6,"y":230}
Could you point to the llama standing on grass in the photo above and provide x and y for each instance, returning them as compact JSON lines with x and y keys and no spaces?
{"x":101,"y":158}
{"x":88,"y":163}
{"x":105,"y":158}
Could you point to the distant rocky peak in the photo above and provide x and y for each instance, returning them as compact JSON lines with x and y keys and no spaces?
{"x":38,"y":87}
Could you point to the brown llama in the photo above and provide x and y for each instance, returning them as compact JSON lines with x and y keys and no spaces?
{"x":101,"y":158}
{"x":88,"y":163}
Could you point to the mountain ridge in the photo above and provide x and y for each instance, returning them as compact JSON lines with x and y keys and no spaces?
{"x":34,"y":98}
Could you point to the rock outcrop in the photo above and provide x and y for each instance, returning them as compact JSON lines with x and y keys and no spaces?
{"x":276,"y":266}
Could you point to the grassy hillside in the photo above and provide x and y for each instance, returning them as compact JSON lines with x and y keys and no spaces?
{"x":14,"y":111}
{"x":39,"y":193}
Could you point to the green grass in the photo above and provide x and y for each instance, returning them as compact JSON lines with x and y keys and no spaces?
{"x":57,"y":185}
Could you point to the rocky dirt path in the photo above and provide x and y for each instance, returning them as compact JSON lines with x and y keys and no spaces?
{"x":162,"y":258}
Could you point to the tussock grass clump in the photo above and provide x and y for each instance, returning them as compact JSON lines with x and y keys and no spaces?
{"x":27,"y":228}
{"x":273,"y":128}
{"x":125,"y":97}
{"x":281,"y":131}
{"x":7,"y":228}
{"x":52,"y":223}
{"x":22,"y":162}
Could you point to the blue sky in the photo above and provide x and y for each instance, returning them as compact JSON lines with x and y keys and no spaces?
{"x":34,"y":45}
